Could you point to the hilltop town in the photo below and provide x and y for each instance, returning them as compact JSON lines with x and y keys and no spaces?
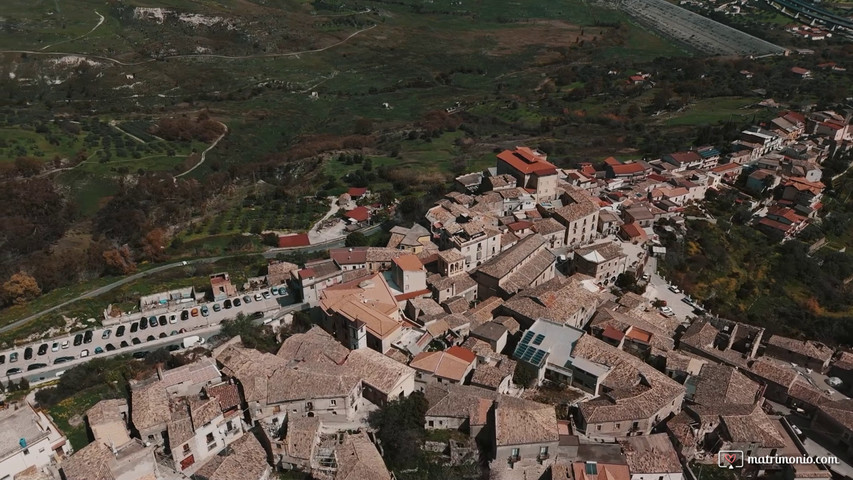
{"x":525,"y":314}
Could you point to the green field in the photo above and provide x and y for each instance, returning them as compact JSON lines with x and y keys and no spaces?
{"x":713,"y":110}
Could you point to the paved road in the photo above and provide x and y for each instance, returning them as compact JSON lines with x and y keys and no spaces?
{"x":124,"y":334}
{"x":271,"y":253}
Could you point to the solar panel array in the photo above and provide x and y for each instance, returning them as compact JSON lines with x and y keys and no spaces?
{"x":529,"y":353}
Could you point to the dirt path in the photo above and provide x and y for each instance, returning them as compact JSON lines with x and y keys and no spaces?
{"x":114,"y":124}
{"x":193,"y":55}
{"x":100,"y":22}
{"x":204,"y":153}
{"x":316,"y":235}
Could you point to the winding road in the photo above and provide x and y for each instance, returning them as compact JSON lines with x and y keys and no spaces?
{"x":100,"y":22}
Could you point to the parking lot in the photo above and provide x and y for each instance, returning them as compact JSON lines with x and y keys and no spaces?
{"x":139,"y":332}
{"x":658,"y":288}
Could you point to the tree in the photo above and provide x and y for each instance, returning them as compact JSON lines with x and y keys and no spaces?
{"x":154,"y":245}
{"x":524,"y":375}
{"x":23,"y":385}
{"x":356,"y":239}
{"x":260,"y":338}
{"x":119,"y":261}
{"x":20,"y":288}
{"x":400,"y":428}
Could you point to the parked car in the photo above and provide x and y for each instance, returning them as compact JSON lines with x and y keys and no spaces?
{"x":227,"y":304}
{"x":674,"y":289}
{"x":143,"y":323}
{"x":163,"y":320}
{"x":65,"y":344}
{"x":84,"y":353}
{"x":266,"y":294}
{"x":173,"y":319}
{"x":204,"y":311}
{"x":13,"y":357}
{"x":54,"y":347}
{"x":110,"y":347}
{"x":646,"y":277}
{"x":2,"y":359}
{"x":140,"y":355}
{"x":106,"y":334}
{"x":274,"y":290}
{"x":162,"y":335}
{"x":123,"y":344}
{"x":173,"y":348}
{"x":194,"y":312}
{"x":13,"y":371}
{"x":150,"y":338}
{"x":62,"y":360}
{"x":36,"y":366}
{"x":28,"y":353}
{"x":216,"y":307}
{"x":98,"y":350}
{"x":78,"y":339}
{"x":247,"y":299}
{"x":185,"y":315}
{"x":258,"y":297}
{"x":87,"y":336}
{"x":120,"y":331}
{"x":136,"y":341}
{"x":152,"y":321}
{"x":666,"y":311}
{"x":282,"y":290}
{"x":42,"y":349}
{"x":236,"y":302}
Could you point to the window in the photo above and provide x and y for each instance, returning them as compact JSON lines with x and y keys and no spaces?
{"x":431,"y":423}
{"x":543,"y":451}
{"x":515,"y":452}
{"x":598,"y":427}
{"x":309,"y":406}
{"x":210,"y":438}
{"x":186,"y":448}
{"x":618,"y":425}
{"x":333,"y":402}
{"x":229,"y":425}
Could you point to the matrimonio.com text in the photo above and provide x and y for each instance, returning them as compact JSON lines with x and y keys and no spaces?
{"x":736,"y":459}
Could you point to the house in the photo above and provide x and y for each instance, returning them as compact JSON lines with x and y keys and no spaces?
{"x":835,"y":420}
{"x":458,"y":407}
{"x":492,"y":333}
{"x":468,"y":182}
{"x":525,"y":432}
{"x":149,"y":412}
{"x":358,"y":215}
{"x":531,"y":170}
{"x":630,"y":171}
{"x":30,"y":439}
{"x":727,"y":172}
{"x":413,"y":239}
{"x":642,"y":214}
{"x":751,"y":432}
{"x":808,"y":353}
{"x":447,"y":366}
{"x":801,"y":72}
{"x":293,"y":240}
{"x":604,"y":262}
{"x":198,"y":431}
{"x":107,"y":420}
{"x":298,"y":448}
{"x":579,"y":215}
{"x":221,"y":287}
{"x":842,"y":368}
{"x":590,"y":470}
{"x":633,"y":232}
{"x":608,"y":222}
{"x":355,"y":458}
{"x":494,"y":373}
{"x":357,"y":192}
{"x":98,"y":461}
{"x":444,"y":288}
{"x":246,"y":459}
{"x":631,"y":396}
{"x":191,"y":378}
{"x":279,"y":272}
{"x":526,"y":264}
{"x":547,"y":347}
{"x":551,"y":230}
{"x":652,"y":457}
{"x":722,"y":385}
{"x":409,"y":274}
{"x":776,"y":379}
{"x":450,"y":262}
{"x":782,"y":222}
{"x":564,"y":300}
{"x":727,"y":342}
{"x":362,"y":313}
{"x":684,"y":160}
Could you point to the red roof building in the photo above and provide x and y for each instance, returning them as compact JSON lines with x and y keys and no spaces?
{"x":359,"y":214}
{"x":462,"y":352}
{"x":527,"y":161}
{"x":295,"y":240}
{"x":356,"y":192}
